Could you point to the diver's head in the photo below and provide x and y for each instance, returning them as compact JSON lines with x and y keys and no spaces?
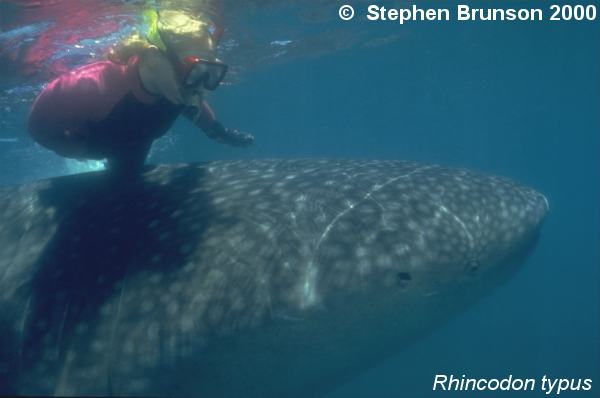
{"x":187,"y":40}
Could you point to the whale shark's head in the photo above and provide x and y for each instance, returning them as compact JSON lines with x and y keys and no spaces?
{"x":503,"y":222}
{"x":433,"y":237}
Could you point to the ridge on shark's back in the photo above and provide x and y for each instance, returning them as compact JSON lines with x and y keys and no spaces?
{"x":244,"y":278}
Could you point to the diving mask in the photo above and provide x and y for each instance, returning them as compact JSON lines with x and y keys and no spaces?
{"x":197,"y":71}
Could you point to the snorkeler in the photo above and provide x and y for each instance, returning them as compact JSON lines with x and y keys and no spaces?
{"x":115,"y":109}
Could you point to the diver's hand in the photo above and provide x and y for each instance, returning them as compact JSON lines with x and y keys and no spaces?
{"x":230,"y":136}
{"x":239,"y":138}
{"x":159,"y":77}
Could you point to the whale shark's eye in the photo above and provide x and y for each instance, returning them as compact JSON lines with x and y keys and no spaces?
{"x":403,"y":278}
{"x":473,"y":266}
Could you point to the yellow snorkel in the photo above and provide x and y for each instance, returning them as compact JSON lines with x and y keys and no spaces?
{"x":150,"y":16}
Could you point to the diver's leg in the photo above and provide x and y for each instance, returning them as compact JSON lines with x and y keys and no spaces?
{"x":129,"y":159}
{"x":70,"y":143}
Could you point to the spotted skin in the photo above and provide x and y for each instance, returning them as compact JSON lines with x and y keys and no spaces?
{"x":244,"y":278}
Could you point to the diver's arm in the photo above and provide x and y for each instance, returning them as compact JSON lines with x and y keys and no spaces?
{"x":204,"y":117}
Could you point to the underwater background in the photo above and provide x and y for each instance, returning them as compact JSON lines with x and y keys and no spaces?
{"x":518,"y":99}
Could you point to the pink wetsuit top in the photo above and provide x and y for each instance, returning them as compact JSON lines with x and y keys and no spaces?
{"x":100,"y":110}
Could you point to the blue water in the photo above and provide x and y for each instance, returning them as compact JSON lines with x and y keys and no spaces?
{"x":516,"y":99}
{"x":520,"y":100}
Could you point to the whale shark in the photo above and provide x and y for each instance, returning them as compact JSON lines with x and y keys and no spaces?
{"x":255,"y":278}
